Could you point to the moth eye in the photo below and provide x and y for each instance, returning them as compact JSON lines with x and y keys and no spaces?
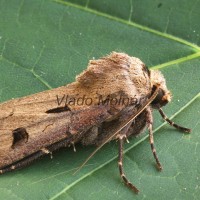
{"x":19,"y":135}
{"x":160,"y":99}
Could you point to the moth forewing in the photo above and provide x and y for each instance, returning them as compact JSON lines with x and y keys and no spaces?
{"x":43,"y":129}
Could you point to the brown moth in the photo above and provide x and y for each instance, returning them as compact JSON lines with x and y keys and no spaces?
{"x":111,"y":100}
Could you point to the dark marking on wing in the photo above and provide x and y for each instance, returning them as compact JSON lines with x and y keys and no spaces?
{"x":59,"y":109}
{"x":19,"y":135}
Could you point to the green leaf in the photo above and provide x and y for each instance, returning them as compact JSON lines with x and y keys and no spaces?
{"x":45,"y":44}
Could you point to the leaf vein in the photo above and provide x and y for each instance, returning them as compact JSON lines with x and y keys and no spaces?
{"x":29,"y":70}
{"x":130,"y":23}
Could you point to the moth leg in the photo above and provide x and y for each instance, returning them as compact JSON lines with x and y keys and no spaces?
{"x":151,"y":140}
{"x":171,"y":123}
{"x":24,"y":162}
{"x":28,"y":160}
{"x":120,"y":165}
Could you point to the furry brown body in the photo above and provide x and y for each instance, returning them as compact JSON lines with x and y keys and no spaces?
{"x":36,"y":125}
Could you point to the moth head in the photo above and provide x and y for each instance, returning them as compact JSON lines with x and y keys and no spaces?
{"x":164,"y":95}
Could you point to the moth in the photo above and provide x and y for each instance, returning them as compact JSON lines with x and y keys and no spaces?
{"x":113,"y":99}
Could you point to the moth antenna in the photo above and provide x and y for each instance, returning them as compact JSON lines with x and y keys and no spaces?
{"x":153,"y":96}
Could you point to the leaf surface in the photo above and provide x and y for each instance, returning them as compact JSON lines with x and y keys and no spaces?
{"x":45,"y":44}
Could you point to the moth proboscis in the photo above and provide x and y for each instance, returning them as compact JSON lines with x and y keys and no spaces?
{"x":113,"y":99}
